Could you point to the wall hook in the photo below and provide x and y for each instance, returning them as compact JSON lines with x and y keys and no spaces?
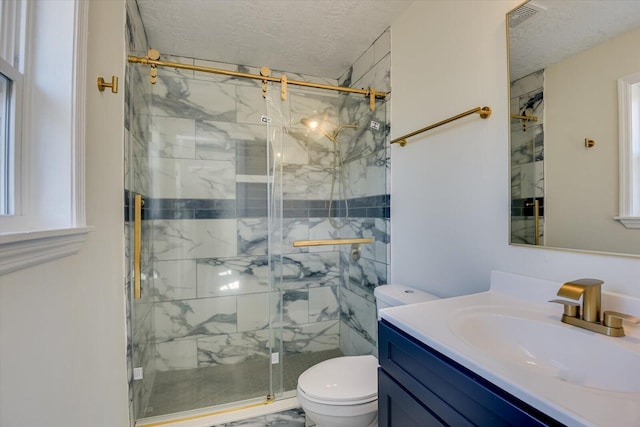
{"x":589,"y":143}
{"x":113,"y":85}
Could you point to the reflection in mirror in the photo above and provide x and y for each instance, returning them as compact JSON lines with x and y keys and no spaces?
{"x":565,"y":60}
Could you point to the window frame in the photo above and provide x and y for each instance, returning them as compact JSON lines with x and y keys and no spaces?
{"x":629,"y":146}
{"x":14,"y":126}
{"x":14,"y":22}
{"x":34,"y":234}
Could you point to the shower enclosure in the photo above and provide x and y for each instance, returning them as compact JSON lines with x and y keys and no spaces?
{"x":230,"y":311}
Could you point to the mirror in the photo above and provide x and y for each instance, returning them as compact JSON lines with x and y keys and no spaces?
{"x":565,"y":59}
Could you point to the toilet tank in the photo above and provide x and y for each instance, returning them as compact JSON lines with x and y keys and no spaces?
{"x":395,"y":295}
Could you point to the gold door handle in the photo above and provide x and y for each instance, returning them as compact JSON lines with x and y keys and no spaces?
{"x":137,"y":235}
{"x":536,"y":210}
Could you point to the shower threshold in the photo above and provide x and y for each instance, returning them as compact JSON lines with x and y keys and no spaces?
{"x":190,"y":389}
{"x":229,"y":414}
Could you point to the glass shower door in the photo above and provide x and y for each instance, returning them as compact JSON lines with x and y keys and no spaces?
{"x":527,"y":159}
{"x":201,"y":333}
{"x":230,"y":310}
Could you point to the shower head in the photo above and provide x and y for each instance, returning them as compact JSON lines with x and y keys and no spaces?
{"x":309,"y":123}
{"x":314,"y":124}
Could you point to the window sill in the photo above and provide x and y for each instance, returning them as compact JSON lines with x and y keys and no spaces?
{"x":629,"y":221}
{"x":27,"y":249}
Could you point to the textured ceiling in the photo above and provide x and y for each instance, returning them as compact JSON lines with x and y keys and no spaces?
{"x":567,"y":27}
{"x":315,"y":37}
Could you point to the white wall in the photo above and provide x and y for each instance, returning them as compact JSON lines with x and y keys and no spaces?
{"x":450,"y":186}
{"x":581,"y":101}
{"x":62,"y":323}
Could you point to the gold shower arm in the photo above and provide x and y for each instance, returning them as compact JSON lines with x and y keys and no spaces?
{"x":483,"y":111}
{"x":302,"y":243}
{"x":371,"y":93}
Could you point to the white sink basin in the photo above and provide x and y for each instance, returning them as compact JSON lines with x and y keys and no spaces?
{"x":513,"y":337}
{"x":556,"y":350}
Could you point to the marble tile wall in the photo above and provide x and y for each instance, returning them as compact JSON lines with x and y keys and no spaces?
{"x":291,"y":417}
{"x":527,"y":157}
{"x":368,"y":169}
{"x":198,"y":152}
{"x":207,"y":205}
{"x":140,"y":340}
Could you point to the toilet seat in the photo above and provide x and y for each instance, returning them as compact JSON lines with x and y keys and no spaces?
{"x":347,"y":380}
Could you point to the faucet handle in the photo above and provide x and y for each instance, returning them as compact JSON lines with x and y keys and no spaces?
{"x":614,"y":319}
{"x":571,"y":308}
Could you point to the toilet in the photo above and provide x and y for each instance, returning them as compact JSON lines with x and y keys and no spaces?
{"x":343,"y":392}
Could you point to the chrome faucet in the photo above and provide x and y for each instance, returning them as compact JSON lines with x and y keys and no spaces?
{"x":610,"y":323}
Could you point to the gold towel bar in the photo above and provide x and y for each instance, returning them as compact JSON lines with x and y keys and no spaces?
{"x":483,"y":111}
{"x":300,"y":243}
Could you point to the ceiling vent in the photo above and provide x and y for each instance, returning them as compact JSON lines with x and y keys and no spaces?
{"x":524,"y":12}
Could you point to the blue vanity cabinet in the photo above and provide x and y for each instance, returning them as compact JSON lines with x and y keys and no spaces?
{"x":420,"y":387}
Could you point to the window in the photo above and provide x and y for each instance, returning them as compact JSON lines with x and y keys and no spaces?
{"x":42,"y":71}
{"x":6,"y":146}
{"x":629,"y":124}
{"x":12,"y":19}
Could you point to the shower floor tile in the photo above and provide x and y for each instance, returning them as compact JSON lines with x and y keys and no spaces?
{"x":290,"y":418}
{"x":187,"y":389}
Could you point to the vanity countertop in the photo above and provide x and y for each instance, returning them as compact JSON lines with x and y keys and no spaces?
{"x":513,"y":337}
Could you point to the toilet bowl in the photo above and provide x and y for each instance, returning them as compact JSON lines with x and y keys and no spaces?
{"x":343,"y":392}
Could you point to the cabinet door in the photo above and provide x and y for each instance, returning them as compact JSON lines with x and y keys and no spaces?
{"x":453,"y":393}
{"x":398,"y":408}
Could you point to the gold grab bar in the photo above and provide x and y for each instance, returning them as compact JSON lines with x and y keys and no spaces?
{"x":483,"y":111}
{"x":137,"y":235}
{"x":300,"y":243}
{"x":525,"y":118}
{"x":371,"y":93}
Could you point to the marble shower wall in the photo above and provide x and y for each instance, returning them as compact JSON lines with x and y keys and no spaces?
{"x":197,"y":152}
{"x":368,"y":166}
{"x":527,"y":157}
{"x":207,"y":206}
{"x":140,"y":341}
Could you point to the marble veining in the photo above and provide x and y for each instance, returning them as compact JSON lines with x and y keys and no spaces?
{"x":199,"y":150}
{"x":324,"y":303}
{"x":182,"y":97}
{"x":196,"y":179}
{"x":232,"y":276}
{"x":359,"y":314}
{"x":190,"y":239}
{"x":292,"y":417}
{"x":312,"y":337}
{"x":215,"y":140}
{"x":195,"y":318}
{"x":310,"y":269}
{"x":527,"y":157}
{"x":233,"y":348}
